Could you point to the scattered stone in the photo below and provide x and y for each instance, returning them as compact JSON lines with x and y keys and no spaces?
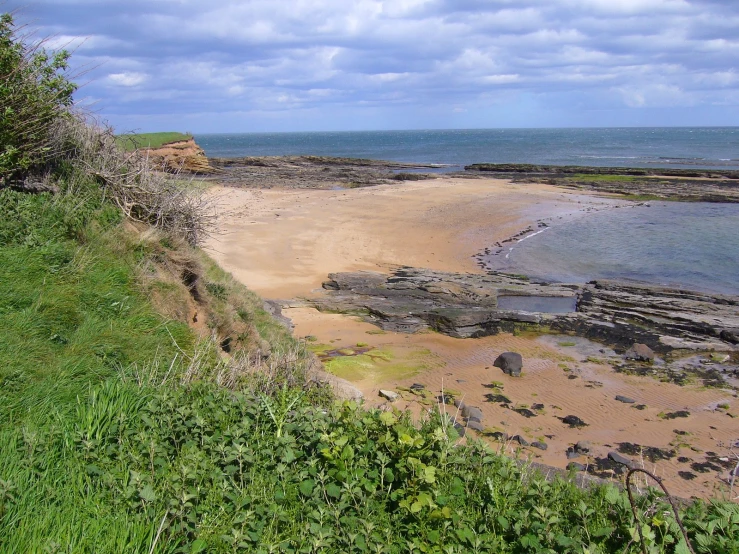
{"x":520,"y":440}
{"x":392,"y":396}
{"x":475,"y":425}
{"x":525,"y":412}
{"x":459,"y":404}
{"x":460,"y":429}
{"x":574,"y":466}
{"x":675,"y":415}
{"x":417,"y":386}
{"x":625,"y":399}
{"x":651,"y":453}
{"x":498,"y":435}
{"x":537,"y":407}
{"x":683,"y":460}
{"x":499,"y":398}
{"x":573,"y":421}
{"x":471,"y":411}
{"x":571,"y":377}
{"x":640,"y":406}
{"x":571,"y":454}
{"x":477,"y":419}
{"x":640,"y":352}
{"x":619,"y":459}
{"x":461,"y":380}
{"x":510,"y":362}
{"x":584,"y":447}
{"x":540,"y":445}
{"x":687,"y":475}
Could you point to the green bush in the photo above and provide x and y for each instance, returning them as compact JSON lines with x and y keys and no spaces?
{"x":34,"y":94}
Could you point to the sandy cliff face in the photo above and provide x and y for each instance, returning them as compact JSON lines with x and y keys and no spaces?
{"x":184,"y":155}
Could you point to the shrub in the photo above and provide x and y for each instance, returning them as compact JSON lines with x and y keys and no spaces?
{"x":35,"y":94}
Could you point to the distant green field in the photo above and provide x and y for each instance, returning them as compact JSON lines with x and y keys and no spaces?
{"x":150,"y":140}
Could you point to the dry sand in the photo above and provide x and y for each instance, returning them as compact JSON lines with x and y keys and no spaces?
{"x":283,"y":242}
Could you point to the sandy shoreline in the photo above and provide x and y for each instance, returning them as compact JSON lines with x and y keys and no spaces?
{"x":282,"y":243}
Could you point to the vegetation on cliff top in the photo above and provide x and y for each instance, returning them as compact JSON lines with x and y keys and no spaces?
{"x":133,"y":141}
{"x":149,"y":404}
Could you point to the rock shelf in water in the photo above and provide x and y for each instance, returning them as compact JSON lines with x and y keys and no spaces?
{"x":465,"y":305}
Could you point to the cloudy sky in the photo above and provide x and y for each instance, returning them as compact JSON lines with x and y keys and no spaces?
{"x":295,"y":65}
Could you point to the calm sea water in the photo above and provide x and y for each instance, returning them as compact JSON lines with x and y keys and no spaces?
{"x":691,"y":245}
{"x":715,"y":147}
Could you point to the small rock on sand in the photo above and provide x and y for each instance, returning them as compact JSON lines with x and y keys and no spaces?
{"x":625,"y":399}
{"x":510,"y":362}
{"x":573,"y":421}
{"x":640,"y":352}
{"x":619,"y":459}
{"x":392,"y":396}
{"x":540,"y":445}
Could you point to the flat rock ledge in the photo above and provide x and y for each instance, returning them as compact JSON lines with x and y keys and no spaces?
{"x":466,"y":305}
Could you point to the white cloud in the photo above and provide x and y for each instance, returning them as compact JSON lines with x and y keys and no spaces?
{"x":131,"y":79}
{"x":265,"y":55}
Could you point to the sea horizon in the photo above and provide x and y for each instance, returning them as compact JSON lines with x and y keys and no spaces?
{"x":674,"y":147}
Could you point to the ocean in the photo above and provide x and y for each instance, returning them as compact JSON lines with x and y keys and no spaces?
{"x":690,"y":245}
{"x":706,"y":147}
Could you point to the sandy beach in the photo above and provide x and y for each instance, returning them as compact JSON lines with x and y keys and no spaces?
{"x":282,"y":243}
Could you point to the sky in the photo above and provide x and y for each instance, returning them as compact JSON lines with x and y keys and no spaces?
{"x":319,"y":65}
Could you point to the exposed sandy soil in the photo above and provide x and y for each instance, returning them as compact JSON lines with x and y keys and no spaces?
{"x":283,"y":242}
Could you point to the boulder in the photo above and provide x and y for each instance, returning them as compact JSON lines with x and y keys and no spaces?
{"x":639,"y":352}
{"x":625,"y":399}
{"x":574,"y":466}
{"x":510,"y":362}
{"x":583,"y":447}
{"x":540,"y":445}
{"x":573,"y":421}
{"x":619,"y":459}
{"x":392,"y":396}
{"x":520,"y":440}
{"x":475,"y":425}
{"x":471,"y":411}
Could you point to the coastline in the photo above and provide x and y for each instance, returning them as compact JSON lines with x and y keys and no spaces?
{"x":282,"y":243}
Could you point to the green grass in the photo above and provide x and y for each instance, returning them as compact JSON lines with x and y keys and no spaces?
{"x":150,"y":140}
{"x":103,"y":448}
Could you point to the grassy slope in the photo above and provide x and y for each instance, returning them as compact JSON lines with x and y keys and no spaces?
{"x":105,"y":447}
{"x":150,"y":140}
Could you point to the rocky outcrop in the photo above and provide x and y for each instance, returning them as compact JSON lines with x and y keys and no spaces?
{"x":466,"y":305}
{"x":694,"y":184}
{"x":314,"y":171}
{"x":182,"y":156}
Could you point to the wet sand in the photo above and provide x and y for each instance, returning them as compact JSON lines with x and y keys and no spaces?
{"x":283,"y":242}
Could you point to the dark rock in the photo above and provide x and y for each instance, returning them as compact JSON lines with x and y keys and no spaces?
{"x":499,"y":398}
{"x":473,"y":418}
{"x":675,"y":415}
{"x":584,"y":447}
{"x":537,"y":407}
{"x":520,"y":440}
{"x":525,"y":412}
{"x":498,"y":435}
{"x":459,"y":404}
{"x":574,"y":466}
{"x":475,"y":425}
{"x":683,"y":460}
{"x":460,"y":429}
{"x":510,"y":362}
{"x":687,"y":475}
{"x":540,"y":445}
{"x":625,"y":399}
{"x":573,"y":421}
{"x":640,"y":352}
{"x":619,"y":459}
{"x":571,"y":454}
{"x":640,"y":406}
{"x":471,"y":411}
{"x":417,"y":386}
